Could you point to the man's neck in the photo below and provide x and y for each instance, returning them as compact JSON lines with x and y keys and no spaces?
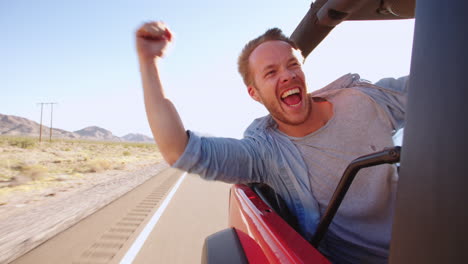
{"x":321,"y":111}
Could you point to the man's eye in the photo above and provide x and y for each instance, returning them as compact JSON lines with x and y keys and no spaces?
{"x":269,"y":73}
{"x":294,"y":64}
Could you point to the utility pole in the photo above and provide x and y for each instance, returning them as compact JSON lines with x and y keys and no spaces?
{"x":51,"y":113}
{"x":40,"y":126}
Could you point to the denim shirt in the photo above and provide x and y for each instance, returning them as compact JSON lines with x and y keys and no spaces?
{"x":268,"y":156}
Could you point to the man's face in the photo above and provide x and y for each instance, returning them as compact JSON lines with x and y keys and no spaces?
{"x":279,"y":82}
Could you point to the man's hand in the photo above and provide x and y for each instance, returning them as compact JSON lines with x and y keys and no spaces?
{"x":152,"y":39}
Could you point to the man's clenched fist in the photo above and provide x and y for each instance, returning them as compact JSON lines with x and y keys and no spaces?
{"x":152,"y":39}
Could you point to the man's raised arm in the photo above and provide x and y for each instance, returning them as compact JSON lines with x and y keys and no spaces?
{"x":151,"y":41}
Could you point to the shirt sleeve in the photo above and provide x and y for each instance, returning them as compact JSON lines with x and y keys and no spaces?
{"x":224,"y":159}
{"x":391,"y":95}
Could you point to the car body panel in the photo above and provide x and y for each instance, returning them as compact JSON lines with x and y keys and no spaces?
{"x":264,"y":235}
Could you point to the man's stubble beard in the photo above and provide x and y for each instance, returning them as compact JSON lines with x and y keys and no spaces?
{"x":276,"y":112}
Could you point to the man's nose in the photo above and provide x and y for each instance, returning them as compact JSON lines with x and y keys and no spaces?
{"x":288,"y":75}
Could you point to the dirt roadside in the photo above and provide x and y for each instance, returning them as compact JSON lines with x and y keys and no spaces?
{"x":29,"y":219}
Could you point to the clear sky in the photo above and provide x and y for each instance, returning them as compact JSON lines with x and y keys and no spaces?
{"x":81,"y":54}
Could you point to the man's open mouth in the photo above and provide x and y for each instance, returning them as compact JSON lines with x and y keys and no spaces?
{"x":292,"y":97}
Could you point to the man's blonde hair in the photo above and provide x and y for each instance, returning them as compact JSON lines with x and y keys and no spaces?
{"x":243,"y":60}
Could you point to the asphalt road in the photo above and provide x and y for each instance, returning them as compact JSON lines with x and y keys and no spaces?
{"x":144,"y":226}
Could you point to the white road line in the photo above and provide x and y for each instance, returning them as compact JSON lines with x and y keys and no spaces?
{"x":136,"y":246}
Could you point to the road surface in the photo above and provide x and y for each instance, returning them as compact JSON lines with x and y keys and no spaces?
{"x":130,"y":231}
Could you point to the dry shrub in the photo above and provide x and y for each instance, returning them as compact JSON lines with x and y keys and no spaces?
{"x":25,"y":143}
{"x":33,"y":172}
{"x":100,"y":165}
{"x":19,"y":180}
{"x":119,"y":166}
{"x":6,"y":171}
{"x":28,"y":172}
{"x":94,"y":166}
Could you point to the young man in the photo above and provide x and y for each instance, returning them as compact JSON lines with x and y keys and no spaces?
{"x":301,"y":148}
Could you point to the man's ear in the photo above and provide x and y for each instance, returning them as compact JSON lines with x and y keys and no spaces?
{"x":253,"y":93}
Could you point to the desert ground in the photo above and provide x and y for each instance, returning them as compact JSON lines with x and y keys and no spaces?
{"x":32,"y":171}
{"x":46,"y":187}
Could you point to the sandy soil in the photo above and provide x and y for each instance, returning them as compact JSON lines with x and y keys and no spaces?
{"x":35,"y":194}
{"x":32,"y":173}
{"x":46,"y":188}
{"x":29,"y":219}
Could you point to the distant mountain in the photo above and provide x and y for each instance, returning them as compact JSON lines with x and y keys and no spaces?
{"x":97,"y":133}
{"x":133,"y":137}
{"x":20,"y":126}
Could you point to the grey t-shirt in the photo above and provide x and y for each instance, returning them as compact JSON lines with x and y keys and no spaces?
{"x":358,"y":127}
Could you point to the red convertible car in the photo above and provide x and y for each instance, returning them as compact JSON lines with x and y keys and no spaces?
{"x":430,"y":223}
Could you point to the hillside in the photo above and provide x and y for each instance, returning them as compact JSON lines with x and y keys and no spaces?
{"x":133,"y":137}
{"x":19,"y":126}
{"x":97,"y":133}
